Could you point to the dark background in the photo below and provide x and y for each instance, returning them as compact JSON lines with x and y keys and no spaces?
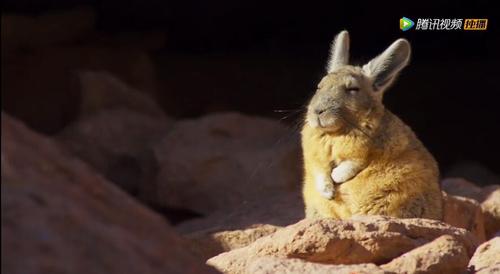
{"x":260,"y":57}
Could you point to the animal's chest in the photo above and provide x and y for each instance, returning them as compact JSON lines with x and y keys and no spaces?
{"x":337,"y":150}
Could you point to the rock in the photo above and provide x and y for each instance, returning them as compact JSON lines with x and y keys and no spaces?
{"x":491,"y":209}
{"x":495,"y":269}
{"x":488,"y":197}
{"x":223,"y":160}
{"x":43,"y":87}
{"x":364,"y":239}
{"x":444,"y":255}
{"x":226,"y":230}
{"x":464,"y":213}
{"x":59,"y":216}
{"x":50,"y":29}
{"x":486,"y":259}
{"x":101,"y":90}
{"x":210,"y":243}
{"x":462,"y":187}
{"x":271,"y":265}
{"x":118,"y":143}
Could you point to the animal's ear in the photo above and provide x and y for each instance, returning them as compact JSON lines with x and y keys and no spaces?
{"x":384,"y":68}
{"x":339,"y":53}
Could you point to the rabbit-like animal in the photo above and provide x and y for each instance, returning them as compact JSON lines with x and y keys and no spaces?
{"x":359,"y":158}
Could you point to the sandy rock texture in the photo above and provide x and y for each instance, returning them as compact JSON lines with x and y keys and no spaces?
{"x":444,"y":255}
{"x":486,"y":259}
{"x":369,"y":239}
{"x":225,"y":230}
{"x":271,"y":265}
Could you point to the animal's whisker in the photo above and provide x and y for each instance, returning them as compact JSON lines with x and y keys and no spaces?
{"x":290,"y":112}
{"x":353,"y":124}
{"x":294,"y":128}
{"x":287,"y":110}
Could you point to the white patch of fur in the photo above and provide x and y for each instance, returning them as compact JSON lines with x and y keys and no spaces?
{"x":345,"y":171}
{"x":324,"y":186}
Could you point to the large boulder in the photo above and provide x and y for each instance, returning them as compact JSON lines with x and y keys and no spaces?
{"x":116,"y":131}
{"x":224,"y":160}
{"x":368,"y":239}
{"x":60,"y":216}
{"x":118,"y":143}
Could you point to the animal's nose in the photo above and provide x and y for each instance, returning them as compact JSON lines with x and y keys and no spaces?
{"x":320,"y":110}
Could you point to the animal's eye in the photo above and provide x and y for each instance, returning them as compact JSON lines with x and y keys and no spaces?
{"x":352,"y":90}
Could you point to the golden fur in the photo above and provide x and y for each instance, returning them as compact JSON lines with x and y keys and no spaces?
{"x":397,"y":177}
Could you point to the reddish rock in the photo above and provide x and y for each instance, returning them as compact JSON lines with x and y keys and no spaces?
{"x":271,"y":265}
{"x":59,"y":216}
{"x":209,"y":243}
{"x":223,"y":160}
{"x":491,"y":209}
{"x":488,"y":197}
{"x":464,"y":213}
{"x":369,"y":239}
{"x":444,"y":255}
{"x":226,"y":230}
{"x":486,"y":259}
{"x":118,"y":143}
{"x":101,"y":90}
{"x":116,"y":132}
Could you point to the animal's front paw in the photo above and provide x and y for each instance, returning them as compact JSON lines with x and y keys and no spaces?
{"x":344,"y":172}
{"x":325,"y":187}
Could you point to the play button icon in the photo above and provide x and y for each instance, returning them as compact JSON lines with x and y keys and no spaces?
{"x":405,"y":24}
